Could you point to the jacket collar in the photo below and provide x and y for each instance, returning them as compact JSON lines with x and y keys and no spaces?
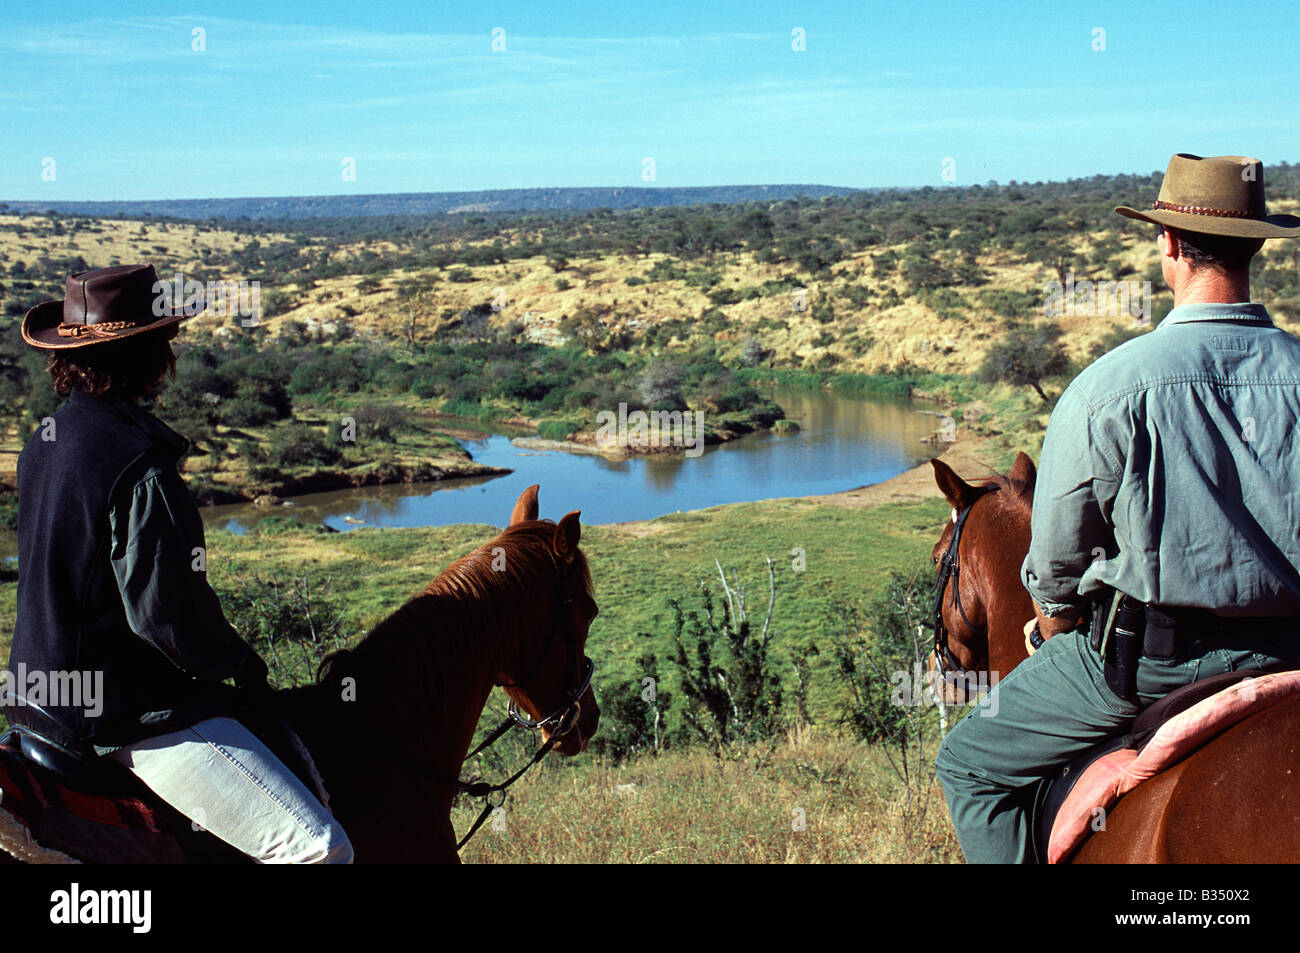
{"x":1243,"y":311}
{"x":157,"y":431}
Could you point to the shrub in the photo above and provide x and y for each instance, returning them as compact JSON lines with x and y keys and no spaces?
{"x":463,"y":408}
{"x":558,"y":429}
{"x":733,"y":695}
{"x":425,"y":387}
{"x":9,"y":511}
{"x":880,"y":658}
{"x":383,"y":422}
{"x":631,"y":714}
{"x":256,"y":402}
{"x":290,"y":623}
{"x":701,"y":278}
{"x":276,"y":302}
{"x":297,"y":445}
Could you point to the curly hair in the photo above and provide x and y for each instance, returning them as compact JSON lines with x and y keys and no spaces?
{"x":129,"y":368}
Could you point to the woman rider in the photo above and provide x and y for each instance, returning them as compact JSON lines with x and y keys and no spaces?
{"x":112,"y":582}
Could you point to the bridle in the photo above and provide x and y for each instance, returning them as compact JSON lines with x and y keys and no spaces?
{"x":564,"y":718}
{"x":950,"y":569}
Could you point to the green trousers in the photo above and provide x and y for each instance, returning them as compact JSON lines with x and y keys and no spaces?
{"x":1051,"y":707}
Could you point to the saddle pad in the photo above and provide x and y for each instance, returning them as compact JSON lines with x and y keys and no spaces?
{"x":41,"y":810}
{"x":1113,"y":775}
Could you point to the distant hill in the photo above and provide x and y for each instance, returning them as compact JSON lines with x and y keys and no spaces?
{"x":429,"y":203}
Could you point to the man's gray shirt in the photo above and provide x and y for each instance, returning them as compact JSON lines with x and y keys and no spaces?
{"x":1171,"y":471}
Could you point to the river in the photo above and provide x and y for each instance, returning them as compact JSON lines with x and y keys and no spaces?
{"x":844,"y":442}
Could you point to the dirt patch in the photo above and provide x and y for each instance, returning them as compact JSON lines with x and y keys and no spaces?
{"x":964,"y":456}
{"x":639,"y":529}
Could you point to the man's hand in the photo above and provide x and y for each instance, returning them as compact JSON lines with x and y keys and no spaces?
{"x":1029,"y":628}
{"x":1049,"y":626}
{"x":251,"y":678}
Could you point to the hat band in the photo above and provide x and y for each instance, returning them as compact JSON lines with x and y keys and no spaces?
{"x":1199,"y":210}
{"x":103,"y":329}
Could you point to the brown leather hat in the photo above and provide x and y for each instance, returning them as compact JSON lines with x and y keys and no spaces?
{"x":106,"y":304}
{"x":1219,"y":195}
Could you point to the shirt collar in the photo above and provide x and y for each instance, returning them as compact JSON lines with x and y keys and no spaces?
{"x":1245,"y":311}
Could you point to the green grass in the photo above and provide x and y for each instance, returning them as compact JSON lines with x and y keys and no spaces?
{"x":848,"y":554}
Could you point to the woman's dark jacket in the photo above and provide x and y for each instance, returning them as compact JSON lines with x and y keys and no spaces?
{"x":112,"y":579}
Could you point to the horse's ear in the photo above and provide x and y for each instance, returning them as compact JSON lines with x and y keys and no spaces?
{"x":1024,"y":471}
{"x":567,"y":535}
{"x":956,"y":490}
{"x":525,"y":506}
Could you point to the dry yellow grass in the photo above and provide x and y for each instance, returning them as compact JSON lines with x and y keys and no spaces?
{"x":908,"y":333}
{"x":691,"y":807}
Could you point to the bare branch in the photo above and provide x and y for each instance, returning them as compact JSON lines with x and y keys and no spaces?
{"x":771,"y":601}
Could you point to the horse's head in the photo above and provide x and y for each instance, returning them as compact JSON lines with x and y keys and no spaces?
{"x":980,"y":604}
{"x":549,"y":679}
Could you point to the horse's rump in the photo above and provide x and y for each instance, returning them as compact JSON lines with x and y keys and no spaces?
{"x":1185,"y":740}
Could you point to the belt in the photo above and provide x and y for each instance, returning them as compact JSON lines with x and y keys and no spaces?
{"x":1124,"y":630}
{"x":1170,"y":628}
{"x":1160,"y":629}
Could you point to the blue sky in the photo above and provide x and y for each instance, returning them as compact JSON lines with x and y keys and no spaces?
{"x":583,"y":93}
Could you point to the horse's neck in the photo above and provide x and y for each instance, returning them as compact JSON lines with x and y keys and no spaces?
{"x":361,"y":741}
{"x":1011,"y":608}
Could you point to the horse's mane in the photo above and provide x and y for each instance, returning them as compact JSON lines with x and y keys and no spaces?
{"x":468,"y":613}
{"x":1016,"y":496}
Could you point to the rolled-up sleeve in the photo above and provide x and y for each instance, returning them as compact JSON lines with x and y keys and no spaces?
{"x":160,"y":560}
{"x":1070,"y":527}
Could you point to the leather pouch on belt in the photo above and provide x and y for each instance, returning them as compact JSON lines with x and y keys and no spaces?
{"x":1159,"y":640}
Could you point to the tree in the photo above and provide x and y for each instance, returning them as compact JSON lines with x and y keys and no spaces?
{"x":660,"y":385}
{"x":1025,"y":356}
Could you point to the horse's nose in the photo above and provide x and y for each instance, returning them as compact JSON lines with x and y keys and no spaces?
{"x":589,"y":718}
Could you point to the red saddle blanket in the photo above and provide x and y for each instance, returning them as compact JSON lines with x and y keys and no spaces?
{"x":1113,"y":775}
{"x":43,"y":812}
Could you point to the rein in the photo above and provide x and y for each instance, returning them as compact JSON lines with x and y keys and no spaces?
{"x":950,"y":569}
{"x":564,"y":719}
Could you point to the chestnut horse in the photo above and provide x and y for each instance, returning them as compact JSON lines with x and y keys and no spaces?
{"x":389,"y":722}
{"x":1231,"y":801}
{"x":515,"y":613}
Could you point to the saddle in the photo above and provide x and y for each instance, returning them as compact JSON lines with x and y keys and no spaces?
{"x":58,"y":805}
{"x":1066,"y":806}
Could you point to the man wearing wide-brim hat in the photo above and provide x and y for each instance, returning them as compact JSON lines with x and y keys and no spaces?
{"x":1168,"y":487}
{"x":112,"y":582}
